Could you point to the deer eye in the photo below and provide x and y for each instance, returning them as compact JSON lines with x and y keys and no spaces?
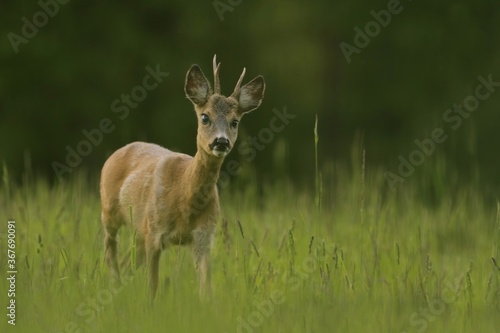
{"x":204,"y":119}
{"x":234,"y":123}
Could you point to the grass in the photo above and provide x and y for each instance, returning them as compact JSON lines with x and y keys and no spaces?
{"x":364,"y":259}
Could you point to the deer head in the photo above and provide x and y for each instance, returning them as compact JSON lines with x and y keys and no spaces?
{"x":218,"y":115}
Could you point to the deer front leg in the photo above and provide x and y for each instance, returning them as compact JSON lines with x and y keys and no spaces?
{"x":153,"y":251}
{"x":202,"y":239}
{"x":110,"y":243}
{"x":140,"y":254}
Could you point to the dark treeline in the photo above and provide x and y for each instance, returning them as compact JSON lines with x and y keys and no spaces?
{"x":417,"y":81}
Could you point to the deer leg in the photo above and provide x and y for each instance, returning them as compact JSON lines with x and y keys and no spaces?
{"x":110,"y":244}
{"x":125,"y":262}
{"x":140,"y":251}
{"x":202,"y":238}
{"x":140,"y":255}
{"x":153,"y":251}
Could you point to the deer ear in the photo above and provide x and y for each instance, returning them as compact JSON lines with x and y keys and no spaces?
{"x":251,"y":95}
{"x":197,"y":87}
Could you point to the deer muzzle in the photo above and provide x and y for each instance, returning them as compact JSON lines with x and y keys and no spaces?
{"x":220,"y":146}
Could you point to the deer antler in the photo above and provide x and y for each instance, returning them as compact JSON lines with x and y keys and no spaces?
{"x":216,"y":76}
{"x":236,"y":91}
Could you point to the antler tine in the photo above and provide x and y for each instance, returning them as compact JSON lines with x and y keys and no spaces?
{"x":216,"y":75}
{"x":238,"y":84}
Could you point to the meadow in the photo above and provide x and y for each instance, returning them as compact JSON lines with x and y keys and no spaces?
{"x":351,"y":255}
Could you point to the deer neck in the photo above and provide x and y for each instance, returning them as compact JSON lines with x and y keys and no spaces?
{"x":203,"y":172}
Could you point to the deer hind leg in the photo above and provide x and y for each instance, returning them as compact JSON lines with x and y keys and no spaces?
{"x":202,"y":243}
{"x":111,"y":246}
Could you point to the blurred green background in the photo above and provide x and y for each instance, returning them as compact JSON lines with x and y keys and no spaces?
{"x":396,"y":89}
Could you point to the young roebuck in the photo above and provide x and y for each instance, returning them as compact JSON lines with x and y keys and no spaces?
{"x":171,"y":198}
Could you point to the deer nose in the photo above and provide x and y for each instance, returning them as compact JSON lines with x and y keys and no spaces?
{"x":220,"y":144}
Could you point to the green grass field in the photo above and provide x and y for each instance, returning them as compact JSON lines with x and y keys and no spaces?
{"x":358,"y":257}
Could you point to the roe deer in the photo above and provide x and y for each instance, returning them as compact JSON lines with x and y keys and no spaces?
{"x":171,"y":197}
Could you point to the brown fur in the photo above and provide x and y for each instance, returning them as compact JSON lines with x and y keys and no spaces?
{"x":173,"y":197}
